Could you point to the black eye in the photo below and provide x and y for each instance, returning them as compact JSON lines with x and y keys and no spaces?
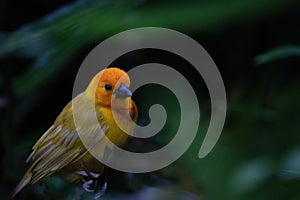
{"x":107,"y":87}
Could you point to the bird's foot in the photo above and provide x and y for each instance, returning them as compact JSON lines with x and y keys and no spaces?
{"x":91,"y":182}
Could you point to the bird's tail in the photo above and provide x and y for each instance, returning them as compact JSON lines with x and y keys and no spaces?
{"x":25,"y":180}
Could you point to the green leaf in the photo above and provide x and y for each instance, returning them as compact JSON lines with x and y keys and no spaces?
{"x":278,"y":53}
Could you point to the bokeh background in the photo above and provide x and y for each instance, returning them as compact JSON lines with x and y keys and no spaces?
{"x":255,"y":44}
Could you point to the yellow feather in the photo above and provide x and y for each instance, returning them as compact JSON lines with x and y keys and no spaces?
{"x":60,"y":149}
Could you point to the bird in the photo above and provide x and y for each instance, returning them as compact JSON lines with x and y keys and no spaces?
{"x":61,"y":150}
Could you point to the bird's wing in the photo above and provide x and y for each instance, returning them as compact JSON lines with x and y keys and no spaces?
{"x":61,"y":144}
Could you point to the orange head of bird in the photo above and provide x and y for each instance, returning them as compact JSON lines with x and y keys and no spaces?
{"x":107,"y":84}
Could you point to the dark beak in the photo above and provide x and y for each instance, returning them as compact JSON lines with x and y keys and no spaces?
{"x":122,"y":92}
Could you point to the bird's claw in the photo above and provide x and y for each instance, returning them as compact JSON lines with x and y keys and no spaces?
{"x":89,"y":175}
{"x":85,"y":173}
{"x":91,"y":182}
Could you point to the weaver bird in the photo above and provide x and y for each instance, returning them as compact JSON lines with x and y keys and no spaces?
{"x":61,"y":149}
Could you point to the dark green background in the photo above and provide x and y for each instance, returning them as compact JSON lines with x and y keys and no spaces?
{"x":255,"y":44}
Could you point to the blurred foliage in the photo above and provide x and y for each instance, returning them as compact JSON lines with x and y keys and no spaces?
{"x":257,"y":156}
{"x":278,"y":53}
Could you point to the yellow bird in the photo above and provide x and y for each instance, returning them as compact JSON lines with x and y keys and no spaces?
{"x":60,"y":149}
